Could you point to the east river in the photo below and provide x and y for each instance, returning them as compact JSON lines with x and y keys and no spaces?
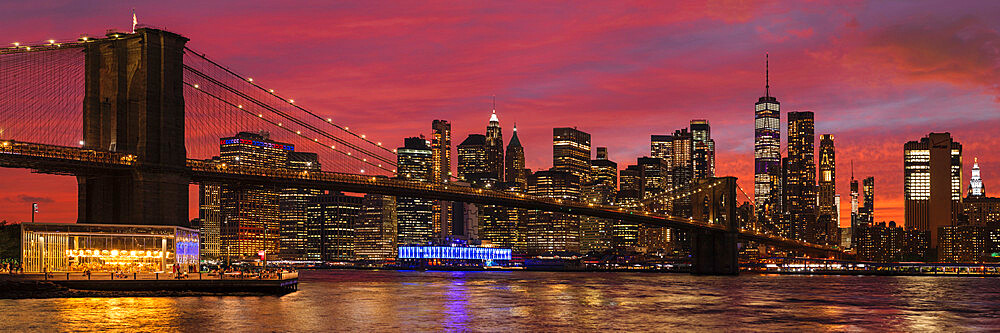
{"x":542,"y":301}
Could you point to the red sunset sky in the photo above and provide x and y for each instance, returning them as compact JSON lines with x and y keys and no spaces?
{"x":877,"y":74}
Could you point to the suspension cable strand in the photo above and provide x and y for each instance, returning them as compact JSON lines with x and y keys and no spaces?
{"x":245,"y":79}
{"x":235,"y":106}
{"x":287,"y":116}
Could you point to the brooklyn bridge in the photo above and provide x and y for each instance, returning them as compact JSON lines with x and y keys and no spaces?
{"x":135,"y":117}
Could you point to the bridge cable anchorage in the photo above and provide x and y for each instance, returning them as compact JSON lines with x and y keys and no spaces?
{"x":236,"y":107}
{"x":271,"y":92}
{"x":285,"y":115}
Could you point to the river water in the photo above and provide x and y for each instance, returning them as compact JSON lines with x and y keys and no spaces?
{"x":542,"y":301}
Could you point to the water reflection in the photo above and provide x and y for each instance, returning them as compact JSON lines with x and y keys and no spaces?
{"x":489,"y":301}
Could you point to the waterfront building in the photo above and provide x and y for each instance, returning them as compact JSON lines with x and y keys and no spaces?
{"x":210,"y":213}
{"x":250,"y":214}
{"x":571,"y":152}
{"x":767,"y":152}
{"x":415,"y":215}
{"x":932,"y":183}
{"x":330,"y":229}
{"x":494,"y":148}
{"x":827,"y":207}
{"x":963,"y":243}
{"x":547,"y":231}
{"x":855,"y":219}
{"x":889,"y":243}
{"x":800,"y":180}
{"x":78,"y":247}
{"x":703,"y":149}
{"x":375,"y":230}
{"x":292,"y":204}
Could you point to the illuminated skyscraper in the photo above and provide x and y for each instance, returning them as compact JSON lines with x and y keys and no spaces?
{"x":800,"y":181}
{"x":548,"y":231}
{"x":441,"y":151}
{"x":866,"y":213}
{"x":571,"y":152}
{"x":250,"y":213}
{"x":415,"y":215}
{"x":375,"y":229}
{"x":703,"y":149}
{"x":330,"y":231}
{"x":595,"y":233}
{"x":210,"y":213}
{"x":932,"y":183}
{"x":472,"y":164}
{"x":292,"y":204}
{"x":494,"y":148}
{"x":681,"y":168}
{"x":976,"y":188}
{"x":660,"y":146}
{"x":515,"y":170}
{"x":767,"y":151}
{"x":828,"y":189}
{"x":855,"y":218}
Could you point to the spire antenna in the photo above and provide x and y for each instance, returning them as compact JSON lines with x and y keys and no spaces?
{"x":494,"y":103}
{"x":767,"y":74}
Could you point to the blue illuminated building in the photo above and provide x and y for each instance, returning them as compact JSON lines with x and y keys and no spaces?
{"x":453,"y":252}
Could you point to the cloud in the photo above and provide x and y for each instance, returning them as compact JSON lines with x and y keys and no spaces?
{"x":22,"y":198}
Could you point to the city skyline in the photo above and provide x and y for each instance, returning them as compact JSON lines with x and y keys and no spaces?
{"x":541,"y":105}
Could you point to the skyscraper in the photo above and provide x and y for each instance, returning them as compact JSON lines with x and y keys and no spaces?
{"x":375,"y":230}
{"x":210,"y":213}
{"x":514,"y":166}
{"x":932,"y":183}
{"x":472,"y":160}
{"x":767,"y":148}
{"x":547,"y":231}
{"x":800,"y":182}
{"x":571,"y":152}
{"x":855,"y":218}
{"x":441,"y":150}
{"x":703,"y":149}
{"x":494,"y":147}
{"x":250,"y":214}
{"x":866,"y":213}
{"x":976,"y":188}
{"x":415,"y":215}
{"x":330,"y":229}
{"x":292,"y":204}
{"x":595,"y":233}
{"x":660,"y":146}
{"x":828,"y":189}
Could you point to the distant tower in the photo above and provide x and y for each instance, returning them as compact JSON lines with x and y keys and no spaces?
{"x":703,"y":149}
{"x":515,"y":171}
{"x":800,"y":184}
{"x":494,"y":146}
{"x":932,"y":183}
{"x":976,"y":188}
{"x":767,"y":145}
{"x":828,"y":187}
{"x":441,"y":148}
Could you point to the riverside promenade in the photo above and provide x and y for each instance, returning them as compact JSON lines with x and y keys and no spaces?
{"x":276,"y":283}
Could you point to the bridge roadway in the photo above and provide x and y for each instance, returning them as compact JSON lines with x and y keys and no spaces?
{"x":73,"y":161}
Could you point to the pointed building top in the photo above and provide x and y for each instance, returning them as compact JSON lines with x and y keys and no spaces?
{"x":493,"y":117}
{"x":767,"y":74}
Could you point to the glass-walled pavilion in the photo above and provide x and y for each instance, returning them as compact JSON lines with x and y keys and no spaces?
{"x":77,"y":247}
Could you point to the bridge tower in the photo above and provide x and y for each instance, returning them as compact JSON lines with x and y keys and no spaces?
{"x":715,"y":252}
{"x":134,"y":104}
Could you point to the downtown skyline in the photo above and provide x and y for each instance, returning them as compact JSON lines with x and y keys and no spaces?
{"x":894,"y":70}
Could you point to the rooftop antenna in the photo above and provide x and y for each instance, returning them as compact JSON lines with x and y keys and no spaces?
{"x":852,"y":169}
{"x":494,"y":103}
{"x":767,"y":75}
